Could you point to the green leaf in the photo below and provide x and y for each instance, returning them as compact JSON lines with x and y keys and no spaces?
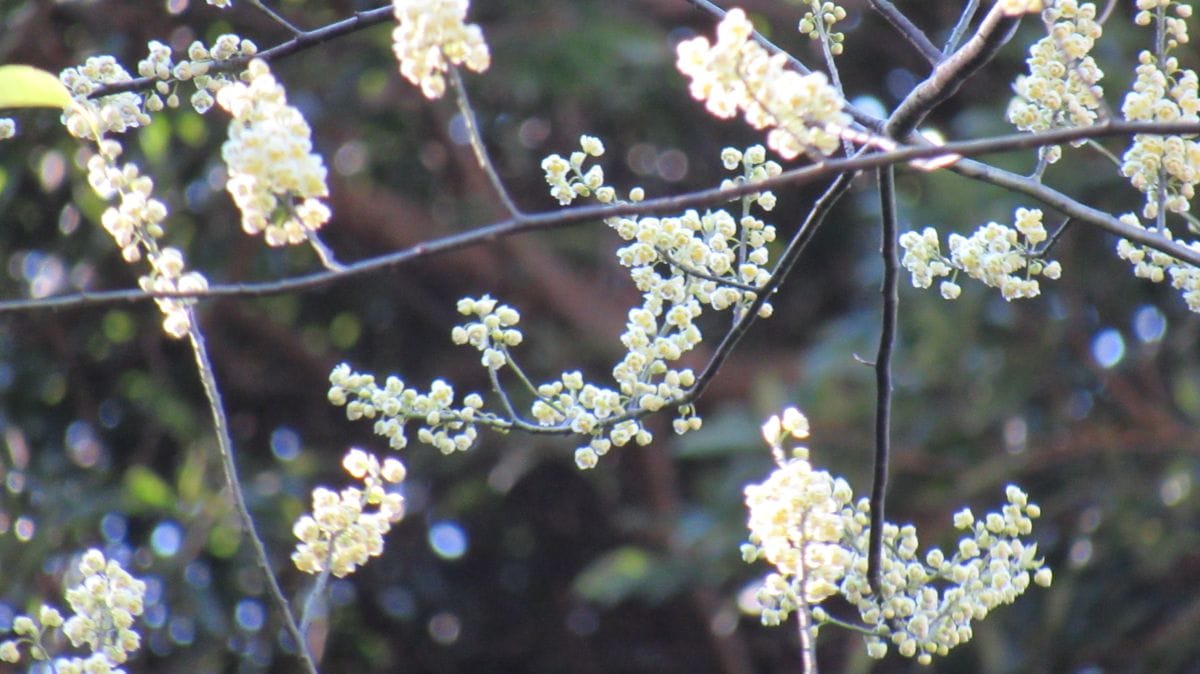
{"x":614,"y":576}
{"x":29,"y":87}
{"x":146,"y":490}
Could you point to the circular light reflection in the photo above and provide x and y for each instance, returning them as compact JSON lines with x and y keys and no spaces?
{"x":1175,"y":488}
{"x":448,"y":540}
{"x":182,"y":630}
{"x":166,"y":538}
{"x":114,"y":527}
{"x":24,"y":529}
{"x":285,"y":443}
{"x":1149,"y":324}
{"x":249,"y":615}
{"x":445,"y":628}
{"x":1108,"y":348}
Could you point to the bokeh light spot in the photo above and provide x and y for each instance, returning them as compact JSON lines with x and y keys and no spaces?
{"x":1108,"y":348}
{"x":448,"y":540}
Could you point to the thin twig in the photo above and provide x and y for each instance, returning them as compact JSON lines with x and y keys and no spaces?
{"x":562,"y":218}
{"x":883,"y":375}
{"x":324,"y":253}
{"x":316,"y":596}
{"x":277,"y":18}
{"x":481,"y":154}
{"x":908,"y":30}
{"x":208,"y":379}
{"x":783,"y":269}
{"x":1054,"y":238}
{"x":304,"y":40}
{"x":960,"y":28}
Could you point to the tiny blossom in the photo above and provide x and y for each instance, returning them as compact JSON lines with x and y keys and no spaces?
{"x":820,"y":20}
{"x":347,"y":528}
{"x":431,"y":37}
{"x":994,"y":254}
{"x":104,"y":605}
{"x":394,"y":405}
{"x":1061,"y":88}
{"x":136,"y":226}
{"x":8,"y":128}
{"x":1156,"y":266}
{"x":274,"y":177}
{"x":803,"y":112}
{"x":92,"y":118}
{"x":1165,"y":168}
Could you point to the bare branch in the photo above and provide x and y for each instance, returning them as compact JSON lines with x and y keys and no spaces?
{"x":883,"y":374}
{"x":481,"y":154}
{"x":995,"y":30}
{"x":208,"y":379}
{"x":908,"y":30}
{"x":573,"y":216}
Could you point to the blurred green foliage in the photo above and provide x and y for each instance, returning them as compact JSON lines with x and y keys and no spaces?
{"x":633,"y":567}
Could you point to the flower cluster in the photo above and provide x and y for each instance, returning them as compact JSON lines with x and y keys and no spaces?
{"x":805,"y":523}
{"x":680,"y":264}
{"x":8,"y":128}
{"x":342,"y":533}
{"x":1156,"y":266}
{"x":104,"y":606}
{"x":274,"y":177}
{"x":447,"y":428}
{"x":803,"y":112}
{"x":492,"y":334}
{"x":196,"y":68}
{"x":92,"y":118}
{"x":1061,"y":88}
{"x":820,"y":20}
{"x":994,"y":254}
{"x":430,"y":38}
{"x":136,"y":225}
{"x":796,"y":525}
{"x":927,"y":603}
{"x":1165,"y":168}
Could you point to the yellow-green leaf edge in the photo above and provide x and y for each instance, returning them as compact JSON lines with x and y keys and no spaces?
{"x":28,"y":87}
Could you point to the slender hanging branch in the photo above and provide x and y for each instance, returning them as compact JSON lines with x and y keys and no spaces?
{"x":208,"y":379}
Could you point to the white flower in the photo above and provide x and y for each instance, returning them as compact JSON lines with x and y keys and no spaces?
{"x":274,"y":177}
{"x":431,"y":37}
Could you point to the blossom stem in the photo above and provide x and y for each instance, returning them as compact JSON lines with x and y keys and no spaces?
{"x":208,"y":380}
{"x":481,"y":154}
{"x":277,"y":18}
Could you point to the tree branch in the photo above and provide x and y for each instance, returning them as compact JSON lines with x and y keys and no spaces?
{"x":908,"y":30}
{"x":798,"y":176}
{"x":883,"y":375}
{"x":995,"y":30}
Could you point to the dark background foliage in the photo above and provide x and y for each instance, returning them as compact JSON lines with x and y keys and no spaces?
{"x":510,"y":559}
